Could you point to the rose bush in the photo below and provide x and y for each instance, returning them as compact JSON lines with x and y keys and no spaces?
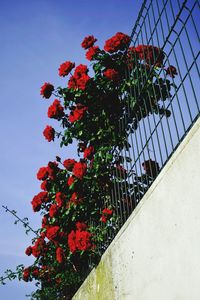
{"x":76,"y":195}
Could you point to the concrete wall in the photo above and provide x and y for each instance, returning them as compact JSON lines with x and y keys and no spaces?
{"x":156,"y":254}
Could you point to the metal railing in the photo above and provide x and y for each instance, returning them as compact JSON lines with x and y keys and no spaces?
{"x":172,"y":26}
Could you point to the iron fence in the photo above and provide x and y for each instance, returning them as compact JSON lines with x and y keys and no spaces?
{"x":171,"y":26}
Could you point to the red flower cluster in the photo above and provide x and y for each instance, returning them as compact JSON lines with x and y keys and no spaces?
{"x":80,"y":78}
{"x":69,"y":163}
{"x":37,"y":201}
{"x":75,"y":199}
{"x":78,"y":113}
{"x":60,"y":255}
{"x":66,"y":68}
{"x":43,"y":173}
{"x":49,"y":133}
{"x":52,"y":232}
{"x":39,"y":247}
{"x":106,"y":213}
{"x":79,"y":239}
{"x":92,"y":52}
{"x":112,"y":74}
{"x":55,"y":110}
{"x":88,"y":152}
{"x":118,"y":42}
{"x":46,"y":90}
{"x":151,"y":168}
{"x":53,"y":210}
{"x":171,"y":71}
{"x":60,"y":198}
{"x":88,"y":42}
{"x":152,"y":55}
{"x":44,"y":185}
{"x":26,"y":274}
{"x":79,"y":169}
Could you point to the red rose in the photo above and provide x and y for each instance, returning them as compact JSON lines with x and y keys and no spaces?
{"x":151,"y":168}
{"x":38,"y":200}
{"x":118,"y":42}
{"x":60,"y":255}
{"x":53,"y":210}
{"x":35,"y":273}
{"x":72,"y":241}
{"x":43,"y":173}
{"x":78,"y":113}
{"x":171,"y":71}
{"x":70,"y":180}
{"x":75,"y":199}
{"x":44,"y":185}
{"x":53,"y":169}
{"x":81,"y":226}
{"x":111,"y":74}
{"x":44,"y":221}
{"x":79,"y":169}
{"x":80,"y":70}
{"x":152,"y":55}
{"x":69,"y":163}
{"x":52,"y":232}
{"x":49,"y":133}
{"x":38,"y":247}
{"x":83,"y":240}
{"x":72,"y":83}
{"x":92,"y":52}
{"x":88,"y":152}
{"x":26,"y":274}
{"x":106,"y":214}
{"x":28,"y":251}
{"x":60,"y":198}
{"x":88,"y":42}
{"x":66,"y":68}
{"x":46,"y":90}
{"x":55,"y":111}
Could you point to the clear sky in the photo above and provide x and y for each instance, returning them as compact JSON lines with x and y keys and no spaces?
{"x":36,"y":37}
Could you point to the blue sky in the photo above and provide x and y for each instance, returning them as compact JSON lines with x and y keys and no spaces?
{"x":36,"y":37}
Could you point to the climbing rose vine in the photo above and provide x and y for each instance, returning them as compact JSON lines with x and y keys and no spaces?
{"x":75,"y":197}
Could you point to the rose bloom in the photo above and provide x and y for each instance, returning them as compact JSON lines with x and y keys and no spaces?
{"x":79,"y":169}
{"x":72,"y":241}
{"x":53,"y":211}
{"x":55,"y":110}
{"x":26,"y":274}
{"x":83,"y":240}
{"x":92,"y":52}
{"x":38,"y":200}
{"x":43,"y":173}
{"x":78,"y":113}
{"x":171,"y":71}
{"x":71,"y":180}
{"x":38,"y":247}
{"x":60,"y":255}
{"x":106,"y":213}
{"x":82,"y":82}
{"x":60,"y":198}
{"x":111,"y":74}
{"x":46,"y":90}
{"x":88,"y":152}
{"x":81,"y":226}
{"x":35,"y":273}
{"x":69,"y":163}
{"x":75,"y":198}
{"x":52,"y":232}
{"x":49,"y":133}
{"x":152,"y":55}
{"x":88,"y":42}
{"x":80,"y":70}
{"x":52,"y":169}
{"x":117,"y":42}
{"x":66,"y":68}
{"x":28,"y":251}
{"x":151,"y":168}
{"x":44,"y":185}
